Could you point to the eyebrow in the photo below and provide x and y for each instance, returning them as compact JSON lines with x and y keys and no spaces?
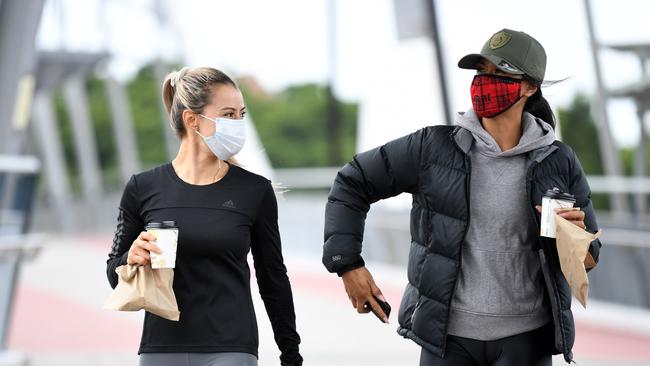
{"x":231,"y":108}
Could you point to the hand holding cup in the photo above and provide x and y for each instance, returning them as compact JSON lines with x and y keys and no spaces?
{"x":140,"y":250}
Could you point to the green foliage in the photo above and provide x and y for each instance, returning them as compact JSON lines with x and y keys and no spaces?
{"x":627,"y":157}
{"x":291,"y":125}
{"x":145,"y":103}
{"x":100,"y":115}
{"x":144,"y":99}
{"x":67,"y":142}
{"x":580,"y":132}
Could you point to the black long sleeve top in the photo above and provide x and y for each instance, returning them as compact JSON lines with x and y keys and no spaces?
{"x":218,"y":225}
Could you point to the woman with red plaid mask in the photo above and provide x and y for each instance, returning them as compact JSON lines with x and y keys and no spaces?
{"x":484,"y":288}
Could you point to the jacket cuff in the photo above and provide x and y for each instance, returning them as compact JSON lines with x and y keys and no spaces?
{"x":293,"y":359}
{"x":349,"y":267}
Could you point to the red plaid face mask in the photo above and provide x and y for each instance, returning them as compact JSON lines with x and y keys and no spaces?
{"x":493,"y":94}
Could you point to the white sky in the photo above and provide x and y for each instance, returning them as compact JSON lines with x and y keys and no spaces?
{"x":282,"y":42}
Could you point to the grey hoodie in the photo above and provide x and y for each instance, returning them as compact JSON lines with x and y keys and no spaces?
{"x":500,"y":289}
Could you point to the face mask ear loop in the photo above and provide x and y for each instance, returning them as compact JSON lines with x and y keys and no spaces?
{"x":209,"y":119}
{"x":199,"y":133}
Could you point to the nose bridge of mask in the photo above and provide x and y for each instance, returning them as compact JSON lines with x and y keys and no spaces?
{"x":224,"y":122}
{"x":222,"y":125}
{"x":228,"y":123}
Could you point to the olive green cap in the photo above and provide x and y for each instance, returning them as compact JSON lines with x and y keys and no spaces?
{"x":512,"y":52}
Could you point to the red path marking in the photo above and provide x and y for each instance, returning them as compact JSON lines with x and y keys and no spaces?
{"x":596,"y":342}
{"x":331,"y":286}
{"x":592,"y":342}
{"x":48,"y":322}
{"x":51,"y":322}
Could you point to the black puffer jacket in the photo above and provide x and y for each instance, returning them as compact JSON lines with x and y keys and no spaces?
{"x":434,"y":166}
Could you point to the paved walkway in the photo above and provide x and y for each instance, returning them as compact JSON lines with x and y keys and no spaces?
{"x":58,"y":319}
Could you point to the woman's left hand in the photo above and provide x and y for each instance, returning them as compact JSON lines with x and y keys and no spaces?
{"x":572,"y":214}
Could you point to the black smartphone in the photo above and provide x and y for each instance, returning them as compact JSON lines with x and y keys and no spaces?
{"x":384,"y":306}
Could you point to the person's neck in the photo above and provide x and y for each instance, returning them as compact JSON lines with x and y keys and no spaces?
{"x":506,"y":128}
{"x":197,"y":167}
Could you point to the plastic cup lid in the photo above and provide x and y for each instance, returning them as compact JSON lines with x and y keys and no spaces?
{"x":555,"y":193}
{"x":154,"y":225}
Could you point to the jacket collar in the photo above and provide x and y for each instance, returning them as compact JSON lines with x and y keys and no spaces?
{"x":463,"y":139}
{"x":540,"y":154}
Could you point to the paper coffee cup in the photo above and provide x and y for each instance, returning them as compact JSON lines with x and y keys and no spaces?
{"x":552,"y":200}
{"x":165,"y":236}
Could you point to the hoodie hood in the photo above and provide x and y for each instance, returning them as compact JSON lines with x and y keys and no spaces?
{"x":536,"y":134}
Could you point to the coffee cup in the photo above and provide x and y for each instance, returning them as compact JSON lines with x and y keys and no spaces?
{"x":165,"y":236}
{"x":553,"y":199}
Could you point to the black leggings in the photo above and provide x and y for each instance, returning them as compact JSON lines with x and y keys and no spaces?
{"x":530,"y":348}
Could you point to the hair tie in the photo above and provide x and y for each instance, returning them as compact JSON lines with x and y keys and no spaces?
{"x":178,"y":75}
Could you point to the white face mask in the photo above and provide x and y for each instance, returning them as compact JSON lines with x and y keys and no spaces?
{"x":228,"y":139}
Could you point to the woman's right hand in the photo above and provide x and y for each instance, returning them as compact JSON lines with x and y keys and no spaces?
{"x":361,"y":288}
{"x":140,"y":249}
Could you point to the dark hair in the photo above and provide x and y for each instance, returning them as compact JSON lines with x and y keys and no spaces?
{"x":537,"y":105}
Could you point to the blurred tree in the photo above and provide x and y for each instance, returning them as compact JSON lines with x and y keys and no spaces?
{"x":67,"y":141}
{"x":292,"y":124}
{"x":144,"y":95}
{"x":144,"y":99}
{"x":580,"y":132}
{"x":100,"y":115}
{"x":628,"y":155}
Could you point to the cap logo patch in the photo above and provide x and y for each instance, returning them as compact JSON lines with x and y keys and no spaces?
{"x":499,"y":40}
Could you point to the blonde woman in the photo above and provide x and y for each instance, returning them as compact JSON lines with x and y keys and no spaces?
{"x":222,"y":212}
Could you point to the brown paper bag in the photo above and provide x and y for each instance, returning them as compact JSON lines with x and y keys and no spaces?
{"x":141,"y":287}
{"x":573,"y":250}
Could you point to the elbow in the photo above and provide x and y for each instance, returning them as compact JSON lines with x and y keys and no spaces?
{"x":277,"y":291}
{"x":111,"y":275}
{"x":594,"y":250}
{"x":112,"y":281}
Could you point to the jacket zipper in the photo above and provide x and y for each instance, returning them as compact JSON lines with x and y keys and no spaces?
{"x":460,"y":257}
{"x":468,"y":162}
{"x":545,"y":265}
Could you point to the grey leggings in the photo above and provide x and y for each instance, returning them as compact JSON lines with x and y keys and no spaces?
{"x":198,"y":359}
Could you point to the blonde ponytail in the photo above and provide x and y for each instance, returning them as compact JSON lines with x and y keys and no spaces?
{"x":168,"y":94}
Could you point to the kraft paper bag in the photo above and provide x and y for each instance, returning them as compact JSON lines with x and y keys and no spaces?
{"x":141,"y":287}
{"x":572,"y":248}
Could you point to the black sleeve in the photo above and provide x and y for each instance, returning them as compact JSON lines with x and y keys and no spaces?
{"x":383,"y":172}
{"x":580,"y":188}
{"x":272,"y":279}
{"x":129,"y":226}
